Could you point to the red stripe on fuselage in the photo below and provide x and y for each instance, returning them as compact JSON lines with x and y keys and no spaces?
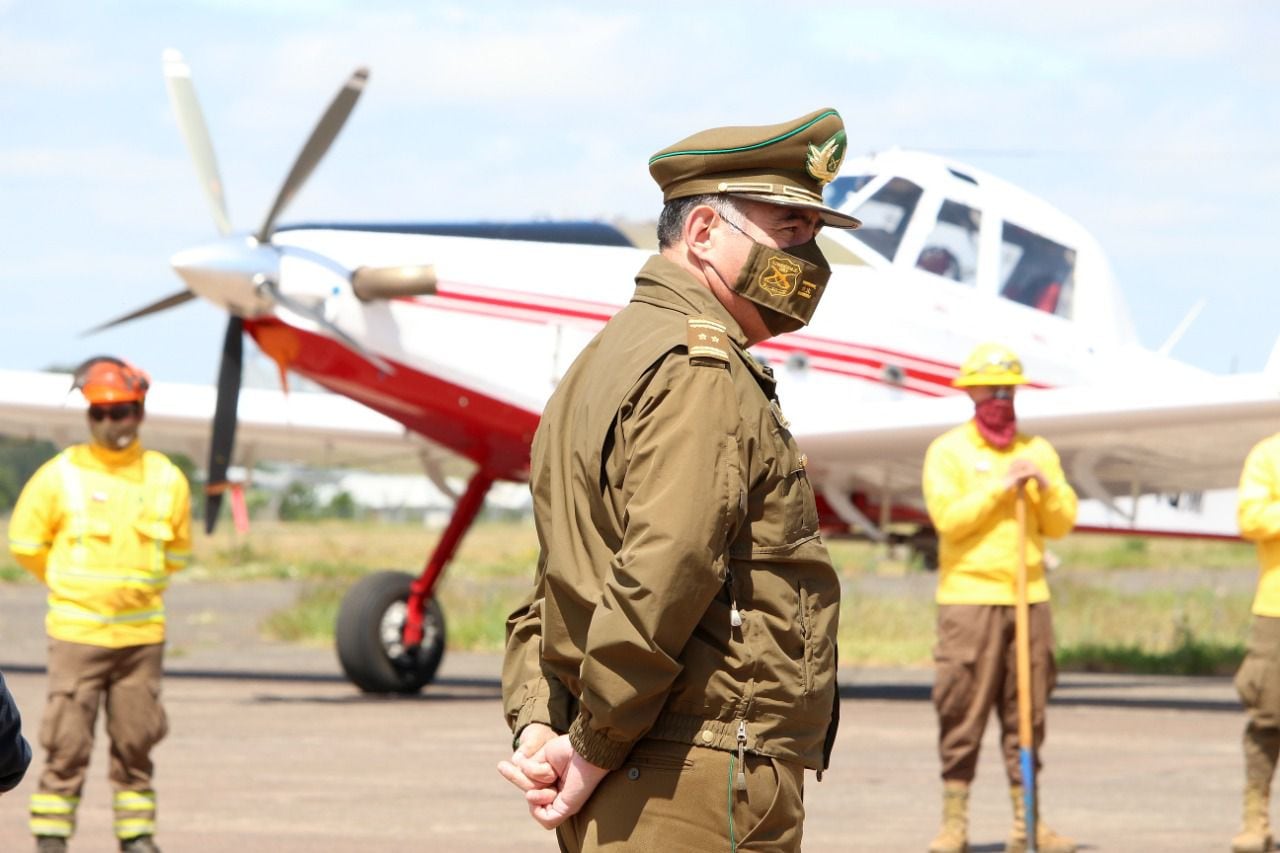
{"x":494,"y":434}
{"x":936,"y":382}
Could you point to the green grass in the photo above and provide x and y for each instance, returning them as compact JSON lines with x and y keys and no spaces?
{"x":12,"y":573}
{"x":1195,"y":631}
{"x":1199,"y":633}
{"x":310,"y":620}
{"x":885,"y":631}
{"x":1191,"y":657}
{"x":490,"y":573}
{"x":1094,"y":552}
{"x":1120,"y":604}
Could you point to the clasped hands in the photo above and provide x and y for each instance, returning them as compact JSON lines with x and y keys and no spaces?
{"x":556,"y":780}
{"x":1022,"y":470}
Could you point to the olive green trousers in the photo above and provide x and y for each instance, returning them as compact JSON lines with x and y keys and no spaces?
{"x":677,"y":798}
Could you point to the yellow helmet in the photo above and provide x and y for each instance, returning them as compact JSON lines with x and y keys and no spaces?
{"x":990,"y":364}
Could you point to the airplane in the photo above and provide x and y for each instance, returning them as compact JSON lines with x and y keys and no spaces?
{"x":459,"y":332}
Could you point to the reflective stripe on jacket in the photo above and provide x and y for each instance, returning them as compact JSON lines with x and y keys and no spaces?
{"x":974,"y":514}
{"x":1258,"y":514}
{"x":104,"y":530}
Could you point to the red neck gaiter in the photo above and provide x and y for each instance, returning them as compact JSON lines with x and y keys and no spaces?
{"x":996,"y":421}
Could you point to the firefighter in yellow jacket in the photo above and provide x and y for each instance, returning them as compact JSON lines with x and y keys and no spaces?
{"x":103,"y":525}
{"x":971,"y":474}
{"x":1258,"y":680}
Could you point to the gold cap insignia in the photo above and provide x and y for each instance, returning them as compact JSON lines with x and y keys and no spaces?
{"x":824,"y":161}
{"x":781,"y":278}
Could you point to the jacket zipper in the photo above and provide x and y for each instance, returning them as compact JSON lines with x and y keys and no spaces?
{"x":741,"y":782}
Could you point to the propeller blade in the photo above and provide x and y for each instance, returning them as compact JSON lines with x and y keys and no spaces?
{"x":171,"y":301}
{"x":186,"y":107}
{"x":224,"y":420}
{"x":321,"y":138}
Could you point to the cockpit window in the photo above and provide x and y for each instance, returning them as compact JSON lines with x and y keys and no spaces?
{"x":1036,"y":271}
{"x":838,"y":191}
{"x":885,"y":216}
{"x":951,"y":251}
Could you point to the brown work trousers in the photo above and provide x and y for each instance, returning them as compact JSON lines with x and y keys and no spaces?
{"x":976,"y":670}
{"x":80,"y":676}
{"x":1258,"y":683}
{"x":678,"y":798}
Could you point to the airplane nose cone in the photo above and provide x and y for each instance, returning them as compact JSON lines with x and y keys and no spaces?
{"x":228,"y":274}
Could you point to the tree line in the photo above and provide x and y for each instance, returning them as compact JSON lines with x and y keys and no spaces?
{"x":20,"y":457}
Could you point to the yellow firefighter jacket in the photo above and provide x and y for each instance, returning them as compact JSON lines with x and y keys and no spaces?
{"x":103,"y":530}
{"x":974,"y":515}
{"x":683,"y":591}
{"x":1259,"y":517}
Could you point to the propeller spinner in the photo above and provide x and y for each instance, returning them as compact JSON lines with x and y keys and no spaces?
{"x":239,"y":273}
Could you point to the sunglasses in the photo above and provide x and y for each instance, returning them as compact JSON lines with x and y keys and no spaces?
{"x":116,"y":411}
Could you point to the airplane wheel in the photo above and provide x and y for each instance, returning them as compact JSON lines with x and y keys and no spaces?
{"x":924,"y":546}
{"x":370,"y":631}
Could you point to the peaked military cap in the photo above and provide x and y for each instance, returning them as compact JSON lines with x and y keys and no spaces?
{"x":787,"y":163}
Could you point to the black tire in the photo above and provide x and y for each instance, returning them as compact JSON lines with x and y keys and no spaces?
{"x":924,"y":547}
{"x":370,"y":625}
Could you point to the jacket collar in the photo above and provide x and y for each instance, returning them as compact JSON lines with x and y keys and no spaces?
{"x":108,"y":458}
{"x":662,"y":282}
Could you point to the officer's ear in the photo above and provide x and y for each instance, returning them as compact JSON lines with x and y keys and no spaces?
{"x":698,"y":230}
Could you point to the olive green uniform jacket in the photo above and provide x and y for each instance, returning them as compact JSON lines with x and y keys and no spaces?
{"x":668,"y":494}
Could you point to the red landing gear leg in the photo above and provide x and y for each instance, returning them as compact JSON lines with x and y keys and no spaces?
{"x":463,"y":514}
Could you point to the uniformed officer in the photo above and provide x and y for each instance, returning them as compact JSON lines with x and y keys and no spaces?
{"x":971,"y":474}
{"x":15,"y":752}
{"x":103,"y":525}
{"x":1258,"y":680}
{"x":680,"y":639}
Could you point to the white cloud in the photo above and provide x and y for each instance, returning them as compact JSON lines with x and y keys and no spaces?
{"x":505,"y":109}
{"x":1170,"y":33}
{"x":45,"y":64}
{"x":114,"y":164}
{"x":444,"y":56}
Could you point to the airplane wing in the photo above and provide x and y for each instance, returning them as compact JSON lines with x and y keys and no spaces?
{"x":1137,"y":456}
{"x":306,"y":427}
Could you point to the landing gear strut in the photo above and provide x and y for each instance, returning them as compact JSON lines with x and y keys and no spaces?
{"x":391,"y":632}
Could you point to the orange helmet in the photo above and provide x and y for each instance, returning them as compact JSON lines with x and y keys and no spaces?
{"x":104,"y":379}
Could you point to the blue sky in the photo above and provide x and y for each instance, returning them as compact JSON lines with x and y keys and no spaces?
{"x":1156,"y":124}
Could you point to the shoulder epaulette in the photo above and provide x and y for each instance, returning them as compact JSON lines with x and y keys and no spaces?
{"x":707,"y":341}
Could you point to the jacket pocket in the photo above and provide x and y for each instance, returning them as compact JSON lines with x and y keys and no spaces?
{"x":781,"y":509}
{"x":953,"y":657}
{"x":155,"y":530}
{"x":806,"y":621}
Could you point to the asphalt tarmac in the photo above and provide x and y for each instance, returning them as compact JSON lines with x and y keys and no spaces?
{"x":271,"y":750}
